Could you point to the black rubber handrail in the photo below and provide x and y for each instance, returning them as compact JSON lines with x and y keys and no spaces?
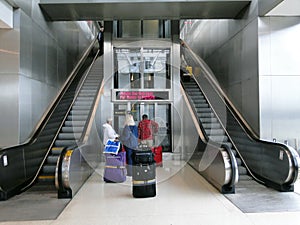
{"x":283,"y":179}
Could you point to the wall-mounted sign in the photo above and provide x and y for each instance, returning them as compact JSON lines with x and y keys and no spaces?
{"x":140,"y":95}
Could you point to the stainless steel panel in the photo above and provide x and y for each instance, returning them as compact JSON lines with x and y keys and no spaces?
{"x":42,"y":55}
{"x":267,"y":5}
{"x":230,"y":49}
{"x":9,"y":51}
{"x":164,"y":9}
{"x":9,"y":110}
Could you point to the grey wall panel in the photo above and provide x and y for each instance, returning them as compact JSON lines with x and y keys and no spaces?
{"x":9,"y":83}
{"x":229,"y":47}
{"x":235,"y":65}
{"x":51,"y":63}
{"x":25,"y":107}
{"x":42,"y":54}
{"x":9,"y":124}
{"x":26,"y":42}
{"x":9,"y":56}
{"x":38,"y":53}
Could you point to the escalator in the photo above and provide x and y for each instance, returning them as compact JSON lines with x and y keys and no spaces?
{"x":63,"y":134}
{"x":259,"y":163}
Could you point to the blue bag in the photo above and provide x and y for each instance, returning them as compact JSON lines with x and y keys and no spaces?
{"x":112,"y":147}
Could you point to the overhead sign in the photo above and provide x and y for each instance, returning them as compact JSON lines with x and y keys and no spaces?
{"x":141,"y":95}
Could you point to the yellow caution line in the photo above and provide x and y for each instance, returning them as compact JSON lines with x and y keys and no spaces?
{"x":57,"y":148}
{"x":47,"y":177}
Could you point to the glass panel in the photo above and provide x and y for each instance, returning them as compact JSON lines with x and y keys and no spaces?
{"x":156,"y":72}
{"x":128,"y":62}
{"x":131,"y":28}
{"x":162,"y":117}
{"x":135,"y":110}
{"x":149,"y":109}
{"x":119,"y":117}
{"x":150,"y":28}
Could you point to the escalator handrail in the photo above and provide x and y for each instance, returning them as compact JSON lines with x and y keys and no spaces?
{"x":233,"y":164}
{"x":203,"y":136}
{"x":87,"y":127}
{"x":294,"y":157}
{"x":225,"y":130}
{"x":61,"y":125}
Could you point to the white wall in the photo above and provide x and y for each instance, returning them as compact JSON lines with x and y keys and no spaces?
{"x":279,"y":78}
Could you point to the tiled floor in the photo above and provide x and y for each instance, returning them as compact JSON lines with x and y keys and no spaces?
{"x":183,"y":198}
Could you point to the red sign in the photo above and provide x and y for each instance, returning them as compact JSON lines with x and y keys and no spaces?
{"x":141,"y":95}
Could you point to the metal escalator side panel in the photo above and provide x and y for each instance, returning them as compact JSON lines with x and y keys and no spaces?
{"x":72,"y":171}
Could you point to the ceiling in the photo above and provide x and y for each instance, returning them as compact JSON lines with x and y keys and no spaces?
{"x":65,"y":10}
{"x":286,"y":8}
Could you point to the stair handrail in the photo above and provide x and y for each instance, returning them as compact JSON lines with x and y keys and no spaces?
{"x":61,"y":124}
{"x":204,"y":138}
{"x":291,"y":152}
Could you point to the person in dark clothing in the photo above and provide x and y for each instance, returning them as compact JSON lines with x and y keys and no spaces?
{"x":129,"y":139}
{"x":100,"y":38}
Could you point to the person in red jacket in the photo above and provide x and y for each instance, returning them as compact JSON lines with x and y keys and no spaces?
{"x":146,"y":129}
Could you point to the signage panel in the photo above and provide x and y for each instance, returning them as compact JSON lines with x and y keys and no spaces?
{"x":141,"y":95}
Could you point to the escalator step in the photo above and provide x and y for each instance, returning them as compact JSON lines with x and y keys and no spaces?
{"x":51,"y":159}
{"x":209,"y":120}
{"x":219,"y":139}
{"x":71,"y":129}
{"x":68,"y":136}
{"x":79,"y":112}
{"x":65,"y":143}
{"x":56,"y":150}
{"x":201,"y":105}
{"x":211,"y":125}
{"x":242,"y":170}
{"x":238,"y":161}
{"x":46,"y":180}
{"x":49,"y":169}
{"x":205,"y":115}
{"x":77,"y":117}
{"x":82,"y":103}
{"x":204,"y":110}
{"x":81,"y":107}
{"x":75,"y":123}
{"x":213,"y":132}
{"x":85,"y":98}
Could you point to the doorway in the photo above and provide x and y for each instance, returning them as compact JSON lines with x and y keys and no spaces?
{"x":159,"y":112}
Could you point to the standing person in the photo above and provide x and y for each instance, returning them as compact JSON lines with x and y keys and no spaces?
{"x":146,"y":129}
{"x":108,"y":131}
{"x":129,"y":139}
{"x":100,"y":38}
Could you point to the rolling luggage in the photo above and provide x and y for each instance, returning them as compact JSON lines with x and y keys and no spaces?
{"x":157,"y":151}
{"x":143,"y":174}
{"x":115,"y":168}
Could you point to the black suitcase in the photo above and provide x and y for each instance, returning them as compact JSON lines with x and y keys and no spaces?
{"x":143,"y":174}
{"x":144,"y":157}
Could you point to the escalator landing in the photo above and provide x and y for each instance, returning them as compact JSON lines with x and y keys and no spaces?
{"x":251,"y":197}
{"x":32,"y":205}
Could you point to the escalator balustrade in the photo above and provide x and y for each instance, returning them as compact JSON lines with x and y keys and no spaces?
{"x":210,"y":122}
{"x":73,"y":126}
